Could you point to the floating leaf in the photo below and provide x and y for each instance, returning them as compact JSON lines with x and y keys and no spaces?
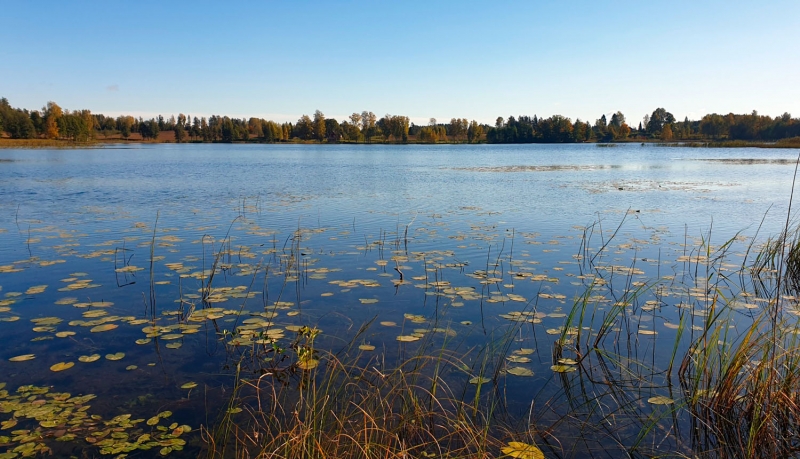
{"x":64,"y":334}
{"x":368,"y":300}
{"x":189,"y":385}
{"x":102,"y":328}
{"x":22,"y":358}
{"x":62,"y":366}
{"x":116,"y":356}
{"x":660,"y":400}
{"x":519,"y":371}
{"x":407,"y":338}
{"x":367,"y":347}
{"x":522,"y":450}
{"x":307,"y":363}
{"x":89,"y":358}
{"x":479,"y":380}
{"x":563,"y":368}
{"x":389,"y":324}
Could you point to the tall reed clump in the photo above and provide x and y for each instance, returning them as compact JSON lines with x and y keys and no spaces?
{"x":742,"y":384}
{"x":356,"y":410}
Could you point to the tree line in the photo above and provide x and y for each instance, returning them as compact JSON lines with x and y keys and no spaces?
{"x":53,"y":122}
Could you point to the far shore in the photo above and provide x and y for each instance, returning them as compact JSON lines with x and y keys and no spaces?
{"x":169,"y":137}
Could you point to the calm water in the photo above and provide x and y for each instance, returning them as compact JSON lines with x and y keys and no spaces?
{"x":481,"y":235}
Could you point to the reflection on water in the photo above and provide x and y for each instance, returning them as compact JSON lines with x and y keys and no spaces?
{"x":152,"y":279}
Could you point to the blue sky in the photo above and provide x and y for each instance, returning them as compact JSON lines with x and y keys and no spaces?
{"x":467,"y":59}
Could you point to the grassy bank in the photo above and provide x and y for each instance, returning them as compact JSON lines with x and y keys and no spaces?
{"x":44,"y":143}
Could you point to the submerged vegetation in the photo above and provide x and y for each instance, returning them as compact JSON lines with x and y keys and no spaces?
{"x":30,"y":128}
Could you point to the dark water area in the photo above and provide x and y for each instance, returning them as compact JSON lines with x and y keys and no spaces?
{"x":197,"y":261}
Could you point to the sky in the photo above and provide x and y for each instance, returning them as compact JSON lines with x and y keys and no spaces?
{"x":442,"y":59}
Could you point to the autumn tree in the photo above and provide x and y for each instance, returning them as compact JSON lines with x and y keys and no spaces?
{"x":474,"y":132}
{"x":52,"y":114}
{"x":666,"y":132}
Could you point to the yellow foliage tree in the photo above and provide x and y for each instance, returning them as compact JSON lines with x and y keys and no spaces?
{"x":52,"y":113}
{"x":666,"y":132}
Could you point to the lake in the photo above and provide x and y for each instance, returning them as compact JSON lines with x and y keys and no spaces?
{"x":164,"y":289}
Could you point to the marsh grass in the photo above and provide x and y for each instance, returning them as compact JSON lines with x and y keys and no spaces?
{"x":44,"y":143}
{"x":724,"y":384}
{"x":358,"y":408}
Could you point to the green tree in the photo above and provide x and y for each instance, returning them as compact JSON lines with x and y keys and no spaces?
{"x":180,"y":133}
{"x":319,"y":125}
{"x":304,"y":129}
{"x":658,"y":119}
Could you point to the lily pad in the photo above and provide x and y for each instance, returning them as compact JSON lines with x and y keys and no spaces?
{"x":563,"y":368}
{"x":89,"y":358}
{"x":102,"y":328}
{"x":660,"y":400}
{"x":189,"y":385}
{"x":519,"y":371}
{"x":22,"y":358}
{"x":62,"y":366}
{"x":116,"y":356}
{"x":522,"y":450}
{"x":407,"y":338}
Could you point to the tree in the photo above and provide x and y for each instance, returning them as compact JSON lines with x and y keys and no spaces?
{"x":125,"y":125}
{"x":333,"y":130}
{"x":52,"y":115}
{"x":304,"y":129}
{"x":368,"y":120}
{"x":666,"y":132}
{"x":658,"y":119}
{"x":319,"y":125}
{"x":180,"y":133}
{"x":474,"y":132}
{"x":617,"y":119}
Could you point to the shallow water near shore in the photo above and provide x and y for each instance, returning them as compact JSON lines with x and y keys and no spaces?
{"x":154,"y":277}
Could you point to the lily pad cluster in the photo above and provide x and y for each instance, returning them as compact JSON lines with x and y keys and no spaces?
{"x":33,"y":418}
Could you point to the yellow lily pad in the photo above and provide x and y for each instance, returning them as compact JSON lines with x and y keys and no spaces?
{"x":407,"y":338}
{"x":89,"y":358}
{"x":102,"y":328}
{"x":522,"y":450}
{"x":22,"y":358}
{"x":62,"y":366}
{"x":116,"y":356}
